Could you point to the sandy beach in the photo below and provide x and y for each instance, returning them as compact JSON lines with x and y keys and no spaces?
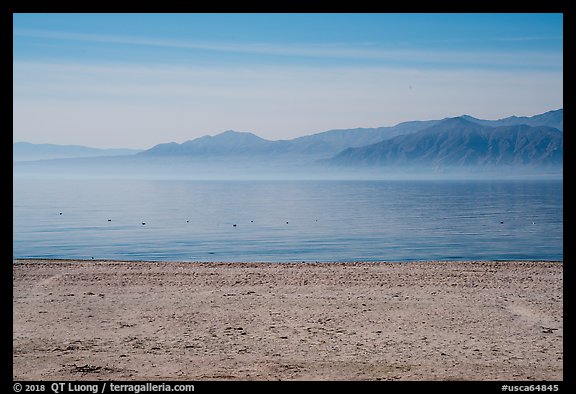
{"x":110,"y":320}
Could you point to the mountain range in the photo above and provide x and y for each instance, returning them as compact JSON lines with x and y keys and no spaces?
{"x":25,"y":151}
{"x":458,"y":142}
{"x":321,"y":144}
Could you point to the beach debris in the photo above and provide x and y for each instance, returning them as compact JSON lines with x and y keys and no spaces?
{"x":548,"y":330}
{"x":86,"y":368}
{"x":231,"y":330}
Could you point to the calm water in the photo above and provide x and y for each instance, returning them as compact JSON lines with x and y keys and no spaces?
{"x":287,"y":220}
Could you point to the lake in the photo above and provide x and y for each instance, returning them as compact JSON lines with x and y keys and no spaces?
{"x":288,"y":221}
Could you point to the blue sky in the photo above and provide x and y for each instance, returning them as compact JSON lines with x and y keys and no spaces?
{"x":135,"y":80}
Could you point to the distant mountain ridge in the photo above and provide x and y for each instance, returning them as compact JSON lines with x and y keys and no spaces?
{"x":531,"y":144}
{"x":461,"y":142}
{"x":324,"y":144}
{"x":25,"y":151}
{"x":226,"y":143}
{"x":553,"y":119}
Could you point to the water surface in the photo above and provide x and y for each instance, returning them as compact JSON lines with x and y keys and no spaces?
{"x":286,"y":221}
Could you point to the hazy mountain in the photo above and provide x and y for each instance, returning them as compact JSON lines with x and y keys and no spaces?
{"x":227,"y":143}
{"x":324,"y":144}
{"x":408,"y":148}
{"x":553,"y":119}
{"x":25,"y":151}
{"x":461,"y":142}
{"x":333,"y":141}
{"x":321,"y":145}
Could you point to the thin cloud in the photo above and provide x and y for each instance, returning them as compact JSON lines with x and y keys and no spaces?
{"x":530,"y":38}
{"x":358,"y":52}
{"x":137,"y":81}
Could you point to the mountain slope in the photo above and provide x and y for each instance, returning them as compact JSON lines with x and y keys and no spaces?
{"x":554,"y":119}
{"x":460,"y":142}
{"x":333,"y":141}
{"x":324,"y":144}
{"x":227,"y":143}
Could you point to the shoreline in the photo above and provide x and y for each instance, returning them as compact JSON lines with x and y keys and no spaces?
{"x":33,"y":260}
{"x":165,"y":320}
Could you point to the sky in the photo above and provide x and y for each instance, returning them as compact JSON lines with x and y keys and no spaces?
{"x":137,"y":80}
